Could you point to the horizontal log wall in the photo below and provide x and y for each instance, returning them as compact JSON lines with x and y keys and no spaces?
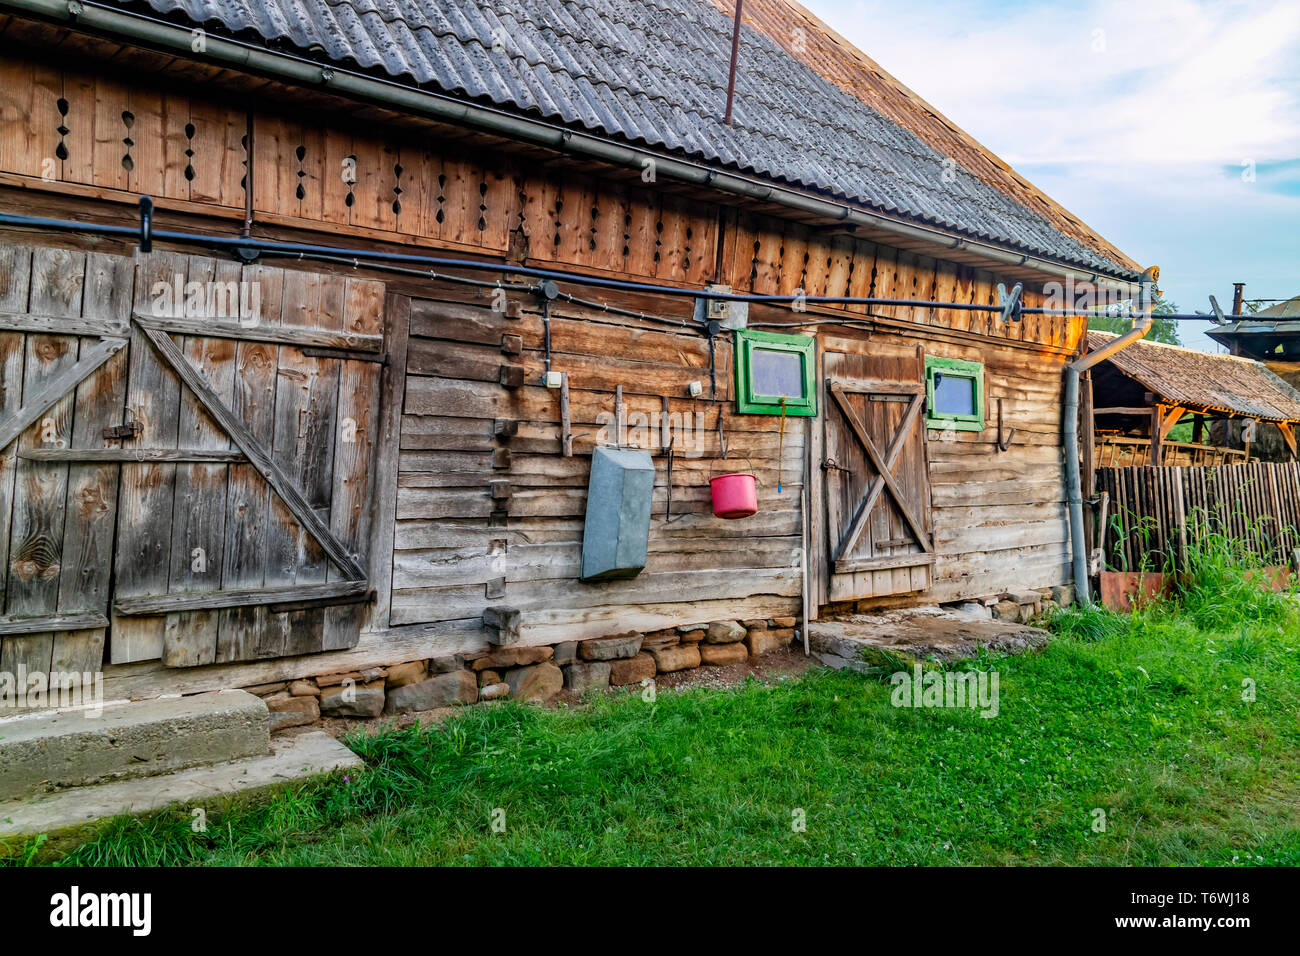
{"x":490,"y":511}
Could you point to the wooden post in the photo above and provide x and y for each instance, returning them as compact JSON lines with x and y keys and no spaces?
{"x":1157,"y":439}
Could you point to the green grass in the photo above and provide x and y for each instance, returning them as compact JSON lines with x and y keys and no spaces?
{"x":1141,"y":716}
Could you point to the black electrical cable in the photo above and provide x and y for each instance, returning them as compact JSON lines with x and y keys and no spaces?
{"x":358,"y":256}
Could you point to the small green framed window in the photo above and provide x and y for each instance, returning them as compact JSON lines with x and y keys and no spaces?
{"x":954,"y":394}
{"x":771,"y":367}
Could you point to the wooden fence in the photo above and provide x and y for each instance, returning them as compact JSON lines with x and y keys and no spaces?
{"x":1152,"y":516}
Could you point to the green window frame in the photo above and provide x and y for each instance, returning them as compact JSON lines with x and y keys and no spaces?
{"x":749,"y":401}
{"x":937,"y":368}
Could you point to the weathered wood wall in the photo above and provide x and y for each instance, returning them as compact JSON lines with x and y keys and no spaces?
{"x":478,"y":502}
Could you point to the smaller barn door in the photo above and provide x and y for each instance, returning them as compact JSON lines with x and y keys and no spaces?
{"x":877,"y":483}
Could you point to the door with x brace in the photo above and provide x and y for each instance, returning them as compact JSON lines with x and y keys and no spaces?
{"x":186,"y":459}
{"x":876,"y":474}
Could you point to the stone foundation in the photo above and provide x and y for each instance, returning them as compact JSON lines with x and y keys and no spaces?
{"x":530,"y":674}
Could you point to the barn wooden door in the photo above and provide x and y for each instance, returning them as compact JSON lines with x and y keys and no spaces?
{"x":185,"y":458}
{"x":876,"y":484}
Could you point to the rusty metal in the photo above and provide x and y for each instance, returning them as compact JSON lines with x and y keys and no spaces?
{"x":735,"y":57}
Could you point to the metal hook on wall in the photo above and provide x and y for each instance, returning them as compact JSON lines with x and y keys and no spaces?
{"x":1004,"y":439}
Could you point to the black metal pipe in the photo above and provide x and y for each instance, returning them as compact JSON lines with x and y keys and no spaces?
{"x":360,"y":257}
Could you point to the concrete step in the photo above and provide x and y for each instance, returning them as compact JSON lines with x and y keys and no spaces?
{"x":40,"y":753}
{"x":63,"y":815}
{"x":871,"y":642}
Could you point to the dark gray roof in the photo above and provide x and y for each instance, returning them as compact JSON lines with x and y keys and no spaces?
{"x":652,"y":72}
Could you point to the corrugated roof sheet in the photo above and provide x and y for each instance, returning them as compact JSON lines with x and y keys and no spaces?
{"x":653,"y":72}
{"x":1226,"y":383}
{"x":839,"y":61}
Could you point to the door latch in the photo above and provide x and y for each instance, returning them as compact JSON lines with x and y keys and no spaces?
{"x":830,"y":465}
{"x":128,"y":431}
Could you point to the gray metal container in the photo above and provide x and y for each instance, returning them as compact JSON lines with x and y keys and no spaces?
{"x":617,"y":528}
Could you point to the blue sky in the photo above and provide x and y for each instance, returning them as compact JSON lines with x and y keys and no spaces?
{"x":1172,"y":127}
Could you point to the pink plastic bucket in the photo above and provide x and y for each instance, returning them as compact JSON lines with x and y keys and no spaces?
{"x":735,"y":495}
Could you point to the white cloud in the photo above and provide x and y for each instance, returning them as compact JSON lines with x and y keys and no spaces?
{"x":1142,"y":138}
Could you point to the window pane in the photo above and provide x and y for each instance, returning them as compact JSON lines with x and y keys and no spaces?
{"x":776,"y":373}
{"x":953,"y":394}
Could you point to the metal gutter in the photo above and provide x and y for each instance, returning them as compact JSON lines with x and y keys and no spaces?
{"x":1070,"y":428}
{"x":285,"y":66}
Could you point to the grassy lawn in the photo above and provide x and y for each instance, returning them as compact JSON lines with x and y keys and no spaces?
{"x":1141,"y":716}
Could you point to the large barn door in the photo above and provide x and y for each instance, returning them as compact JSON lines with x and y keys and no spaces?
{"x":185,"y":468}
{"x":877,"y":487}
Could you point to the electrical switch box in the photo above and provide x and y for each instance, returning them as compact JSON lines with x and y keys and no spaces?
{"x":617,"y":529}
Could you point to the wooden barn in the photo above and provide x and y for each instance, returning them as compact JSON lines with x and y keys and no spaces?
{"x":330,"y":411}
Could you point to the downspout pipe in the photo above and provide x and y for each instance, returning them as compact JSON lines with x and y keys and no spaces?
{"x":246,"y":57}
{"x":1073,"y":483}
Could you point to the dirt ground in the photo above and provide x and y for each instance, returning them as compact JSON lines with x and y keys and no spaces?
{"x":770,"y":668}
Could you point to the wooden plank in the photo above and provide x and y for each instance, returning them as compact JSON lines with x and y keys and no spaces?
{"x":302,"y":444}
{"x":198,"y":512}
{"x":15,"y":276}
{"x":64,"y":621}
{"x":243,"y":633}
{"x":85,"y":578}
{"x":297,"y":336}
{"x":62,"y":325}
{"x":854,"y":565}
{"x":148,"y":605}
{"x":51,"y":370}
{"x":391,"y":433}
{"x":142,"y":554}
{"x":191,"y":455}
{"x":362,"y":425}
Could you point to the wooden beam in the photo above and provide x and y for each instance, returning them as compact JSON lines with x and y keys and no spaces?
{"x":44,"y":623}
{"x":502,"y":624}
{"x":279,"y":334}
{"x":1171,"y":419}
{"x":883,"y":563}
{"x":1288,"y":436}
{"x":56,"y":387}
{"x":60,"y":325}
{"x":1157,"y":438}
{"x":258,"y":456}
{"x":132,"y":455}
{"x":1123,"y":410}
{"x":152,"y":605}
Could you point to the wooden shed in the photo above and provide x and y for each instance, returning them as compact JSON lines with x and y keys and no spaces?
{"x":407,"y":270}
{"x":1140,"y":394}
